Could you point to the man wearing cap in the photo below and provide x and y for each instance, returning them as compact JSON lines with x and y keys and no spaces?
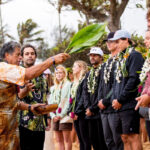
{"x":90,"y":90}
{"x":112,"y":138}
{"x":126,"y":80}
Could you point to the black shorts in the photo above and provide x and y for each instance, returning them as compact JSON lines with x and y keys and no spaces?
{"x":62,"y":126}
{"x":129,"y":122}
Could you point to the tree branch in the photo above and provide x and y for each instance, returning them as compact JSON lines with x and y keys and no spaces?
{"x":122,"y":7}
{"x":92,"y":13}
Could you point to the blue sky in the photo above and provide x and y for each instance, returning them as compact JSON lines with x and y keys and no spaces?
{"x":46,"y":16}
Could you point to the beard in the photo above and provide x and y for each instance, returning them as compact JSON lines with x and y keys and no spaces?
{"x":95,"y":62}
{"x":29,"y":63}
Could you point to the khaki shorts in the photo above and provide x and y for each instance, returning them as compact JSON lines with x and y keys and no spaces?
{"x":62,"y":126}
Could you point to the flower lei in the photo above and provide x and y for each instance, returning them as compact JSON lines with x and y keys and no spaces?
{"x":91,"y":80}
{"x":108,"y":69}
{"x":73,"y":94}
{"x":121,"y":64}
{"x":59,"y":97}
{"x":145,"y":70}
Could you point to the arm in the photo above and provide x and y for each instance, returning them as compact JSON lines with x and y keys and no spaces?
{"x":25,"y":90}
{"x":135,"y":63}
{"x":18,"y":75}
{"x":36,"y":70}
{"x":79,"y":107}
{"x":86,"y":94}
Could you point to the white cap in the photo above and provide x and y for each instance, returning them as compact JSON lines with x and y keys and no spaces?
{"x":47,"y":71}
{"x":120,"y":34}
{"x":96,"y":50}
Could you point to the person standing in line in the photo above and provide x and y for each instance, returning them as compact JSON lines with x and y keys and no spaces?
{"x":11,"y":75}
{"x":90,"y":92}
{"x":126,"y":80}
{"x":31,"y":127}
{"x":76,"y":108}
{"x":112,"y":138}
{"x":62,"y":123}
{"x":144,"y":99}
{"x":49,"y":135}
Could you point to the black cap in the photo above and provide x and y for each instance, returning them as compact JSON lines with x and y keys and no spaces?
{"x":109,"y":36}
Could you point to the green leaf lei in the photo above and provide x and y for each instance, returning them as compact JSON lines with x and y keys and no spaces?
{"x":121,"y":69}
{"x":91,"y":80}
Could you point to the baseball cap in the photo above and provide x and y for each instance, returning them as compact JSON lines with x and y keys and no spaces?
{"x":96,"y":50}
{"x":120,"y":34}
{"x":109,"y":36}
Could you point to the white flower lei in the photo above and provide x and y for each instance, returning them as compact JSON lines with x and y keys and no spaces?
{"x":108,"y":69}
{"x":145,"y":70}
{"x":120,"y":64}
{"x":91,"y":80}
{"x":74,"y":89}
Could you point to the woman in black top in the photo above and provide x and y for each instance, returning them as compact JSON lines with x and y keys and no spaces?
{"x":76,"y":109}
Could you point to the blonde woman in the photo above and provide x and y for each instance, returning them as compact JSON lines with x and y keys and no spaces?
{"x":60,"y":93}
{"x":76,"y":108}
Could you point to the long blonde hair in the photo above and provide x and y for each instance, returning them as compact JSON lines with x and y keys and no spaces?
{"x":56,"y":82}
{"x":84,"y":67}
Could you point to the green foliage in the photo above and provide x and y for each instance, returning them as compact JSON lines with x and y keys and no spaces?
{"x":138,"y":42}
{"x":86,"y":37}
{"x":26,"y":32}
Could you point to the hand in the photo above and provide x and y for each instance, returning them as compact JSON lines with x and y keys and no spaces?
{"x":57,"y":118}
{"x":88,"y":112}
{"x":49,"y":125}
{"x":100,"y":105}
{"x":75,"y":117}
{"x":116,"y":105}
{"x":34,"y":106}
{"x":60,"y":58}
{"x":29,"y":86}
{"x":143,"y":100}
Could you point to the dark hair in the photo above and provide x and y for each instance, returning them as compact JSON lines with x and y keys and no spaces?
{"x":8,"y":48}
{"x":26,"y":46}
{"x":129,"y":40}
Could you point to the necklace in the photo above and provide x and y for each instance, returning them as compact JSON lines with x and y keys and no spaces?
{"x":108,"y":68}
{"x":91,"y":80}
{"x":145,"y":68}
{"x":121,"y":70}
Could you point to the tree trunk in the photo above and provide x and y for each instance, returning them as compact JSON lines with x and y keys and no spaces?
{"x":114,"y":25}
{"x":148,"y":3}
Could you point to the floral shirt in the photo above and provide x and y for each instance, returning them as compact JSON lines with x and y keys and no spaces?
{"x":10,"y":75}
{"x":27,"y":118}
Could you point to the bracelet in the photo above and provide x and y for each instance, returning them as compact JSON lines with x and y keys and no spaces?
{"x":53,"y":59}
{"x":29,"y":108}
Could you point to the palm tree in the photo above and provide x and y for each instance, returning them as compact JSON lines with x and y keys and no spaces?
{"x":26,"y":32}
{"x":2,"y":29}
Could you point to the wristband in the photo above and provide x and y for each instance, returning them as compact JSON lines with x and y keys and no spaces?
{"x":29,"y":108}
{"x":53,"y":59}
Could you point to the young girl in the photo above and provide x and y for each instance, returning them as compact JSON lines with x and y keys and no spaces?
{"x":76,"y":108}
{"x":62,"y":124}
